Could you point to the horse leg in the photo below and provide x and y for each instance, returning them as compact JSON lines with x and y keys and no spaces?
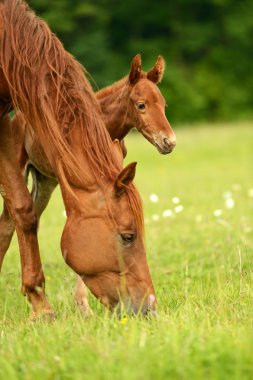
{"x":41,"y":192}
{"x":81,"y":297}
{"x":20,"y":206}
{"x":6,"y":232}
{"x":7,"y":227}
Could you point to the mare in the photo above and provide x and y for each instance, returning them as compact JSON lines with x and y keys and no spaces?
{"x":134,"y":101}
{"x":102,"y":240}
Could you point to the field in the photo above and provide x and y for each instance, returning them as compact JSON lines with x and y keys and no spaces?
{"x":200,"y":252}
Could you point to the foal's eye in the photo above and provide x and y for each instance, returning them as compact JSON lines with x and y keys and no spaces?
{"x":127,"y":238}
{"x":141,"y":106}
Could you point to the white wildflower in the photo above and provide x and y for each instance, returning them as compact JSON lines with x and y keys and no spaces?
{"x":154,"y":198}
{"x":167,"y":213}
{"x":218,"y":212}
{"x":175,"y":200}
{"x":178,"y":208}
{"x":229,"y":203}
{"x":250,"y":193}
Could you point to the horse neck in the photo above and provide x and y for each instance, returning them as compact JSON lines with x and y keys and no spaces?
{"x":80,"y":201}
{"x":80,"y":195}
{"x":77,"y":198}
{"x":114,"y":102}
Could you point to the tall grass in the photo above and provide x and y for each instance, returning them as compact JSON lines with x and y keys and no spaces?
{"x":201,"y":259}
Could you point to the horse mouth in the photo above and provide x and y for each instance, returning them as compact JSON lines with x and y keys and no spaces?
{"x":120,"y":310}
{"x":164,"y":149}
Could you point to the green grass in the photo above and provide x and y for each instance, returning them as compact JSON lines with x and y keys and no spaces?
{"x":201,"y":265}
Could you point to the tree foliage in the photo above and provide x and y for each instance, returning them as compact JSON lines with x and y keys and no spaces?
{"x":207,"y":45}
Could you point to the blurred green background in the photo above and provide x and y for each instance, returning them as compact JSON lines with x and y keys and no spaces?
{"x":207,"y":44}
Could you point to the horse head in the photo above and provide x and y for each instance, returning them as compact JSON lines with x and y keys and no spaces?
{"x":147,"y":105}
{"x":105,"y":245}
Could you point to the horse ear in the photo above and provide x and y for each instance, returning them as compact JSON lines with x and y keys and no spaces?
{"x":124,"y":178}
{"x":156,"y":73}
{"x":135,"y":72}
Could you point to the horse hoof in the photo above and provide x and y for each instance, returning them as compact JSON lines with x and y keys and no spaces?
{"x":84,"y":309}
{"x":43,"y":316}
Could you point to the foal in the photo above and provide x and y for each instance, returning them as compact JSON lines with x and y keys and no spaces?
{"x":136,"y":102}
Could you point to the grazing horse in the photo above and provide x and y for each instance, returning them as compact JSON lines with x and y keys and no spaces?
{"x":102,"y":240}
{"x":134,"y":101}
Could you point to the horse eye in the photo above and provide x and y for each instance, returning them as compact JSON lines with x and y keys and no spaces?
{"x":127,"y":238}
{"x":141,"y":106}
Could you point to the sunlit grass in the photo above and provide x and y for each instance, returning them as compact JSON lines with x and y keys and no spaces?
{"x":198,"y":205}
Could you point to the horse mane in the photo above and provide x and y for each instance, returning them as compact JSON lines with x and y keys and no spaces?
{"x":50,"y":88}
{"x":111,"y":89}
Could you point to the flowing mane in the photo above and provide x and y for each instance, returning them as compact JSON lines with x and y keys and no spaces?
{"x":113,"y":88}
{"x":109,"y":90}
{"x":50,"y":88}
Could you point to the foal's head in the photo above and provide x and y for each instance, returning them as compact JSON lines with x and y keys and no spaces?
{"x":147,"y":105}
{"x":105,"y":245}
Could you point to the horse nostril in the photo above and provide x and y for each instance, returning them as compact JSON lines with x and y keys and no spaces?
{"x":168,"y":145}
{"x":165,"y":141}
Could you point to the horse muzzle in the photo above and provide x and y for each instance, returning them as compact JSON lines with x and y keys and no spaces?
{"x":146,"y":308}
{"x":165,"y":145}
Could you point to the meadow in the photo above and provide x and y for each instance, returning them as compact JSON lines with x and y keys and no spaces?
{"x":198,"y":206}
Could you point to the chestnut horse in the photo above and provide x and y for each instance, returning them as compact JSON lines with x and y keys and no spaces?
{"x":102,"y":240}
{"x":134,"y":101}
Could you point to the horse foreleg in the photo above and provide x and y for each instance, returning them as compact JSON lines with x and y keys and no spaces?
{"x":81,"y":297}
{"x":6,"y":232}
{"x":20,"y":207}
{"x":7,"y":227}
